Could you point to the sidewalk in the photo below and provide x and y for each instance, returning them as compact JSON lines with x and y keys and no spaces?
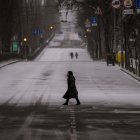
{"x":130,"y":73}
{"x":8,"y":62}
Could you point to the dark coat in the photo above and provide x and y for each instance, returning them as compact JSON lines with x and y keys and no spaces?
{"x":71,"y":91}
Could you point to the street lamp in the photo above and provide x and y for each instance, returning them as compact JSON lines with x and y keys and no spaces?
{"x":25,"y":40}
{"x":52,"y":30}
{"x":51,"y":27}
{"x":25,"y":47}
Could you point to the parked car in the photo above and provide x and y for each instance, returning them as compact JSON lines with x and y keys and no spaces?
{"x":110,"y":59}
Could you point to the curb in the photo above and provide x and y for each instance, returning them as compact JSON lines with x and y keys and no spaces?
{"x":131,"y":74}
{"x":12,"y":62}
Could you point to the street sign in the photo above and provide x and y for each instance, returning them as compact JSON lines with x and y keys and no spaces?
{"x":116,"y":4}
{"x":37,"y":31}
{"x":15,"y":46}
{"x":87,"y":23}
{"x":128,"y":3}
{"x":98,"y":11}
{"x":128,"y":7}
{"x":128,"y":12}
{"x":138,"y":6}
{"x":138,"y":11}
{"x":94,"y":21}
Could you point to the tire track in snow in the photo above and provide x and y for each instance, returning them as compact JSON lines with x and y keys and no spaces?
{"x":7,"y":102}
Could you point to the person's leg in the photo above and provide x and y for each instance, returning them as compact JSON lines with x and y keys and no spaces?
{"x":78,"y":102}
{"x":66,"y":103}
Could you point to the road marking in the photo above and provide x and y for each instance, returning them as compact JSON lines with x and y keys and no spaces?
{"x":73,"y":124}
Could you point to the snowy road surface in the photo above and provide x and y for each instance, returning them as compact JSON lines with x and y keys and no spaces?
{"x":45,"y":79}
{"x":31,"y":98}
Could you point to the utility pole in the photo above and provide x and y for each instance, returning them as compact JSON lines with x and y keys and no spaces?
{"x":138,"y":34}
{"x":115,"y":4}
{"x":138,"y":45}
{"x":114,"y":29}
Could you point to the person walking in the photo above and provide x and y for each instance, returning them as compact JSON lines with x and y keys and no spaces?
{"x":76,"y":55}
{"x":72,"y":90}
{"x":71,"y":55}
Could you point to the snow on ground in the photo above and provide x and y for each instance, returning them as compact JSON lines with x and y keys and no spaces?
{"x":74,"y":36}
{"x":58,"y":37}
{"x":44,"y":80}
{"x":57,"y":54}
{"x":56,"y":42}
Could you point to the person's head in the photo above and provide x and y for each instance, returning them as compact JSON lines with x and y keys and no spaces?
{"x":70,"y":73}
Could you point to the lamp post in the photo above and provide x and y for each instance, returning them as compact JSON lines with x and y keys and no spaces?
{"x":116,"y":5}
{"x":98,"y":13}
{"x":25,"y":47}
{"x":138,"y":33}
{"x":52,"y":29}
{"x":138,"y":37}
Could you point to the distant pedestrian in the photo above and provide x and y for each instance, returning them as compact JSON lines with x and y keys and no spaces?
{"x":72,"y":90}
{"x":71,"y":55}
{"x":66,"y":14}
{"x":76,"y":55}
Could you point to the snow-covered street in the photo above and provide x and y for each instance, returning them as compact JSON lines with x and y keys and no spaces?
{"x":56,"y":80}
{"x":31,"y":97}
{"x":45,"y":79}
